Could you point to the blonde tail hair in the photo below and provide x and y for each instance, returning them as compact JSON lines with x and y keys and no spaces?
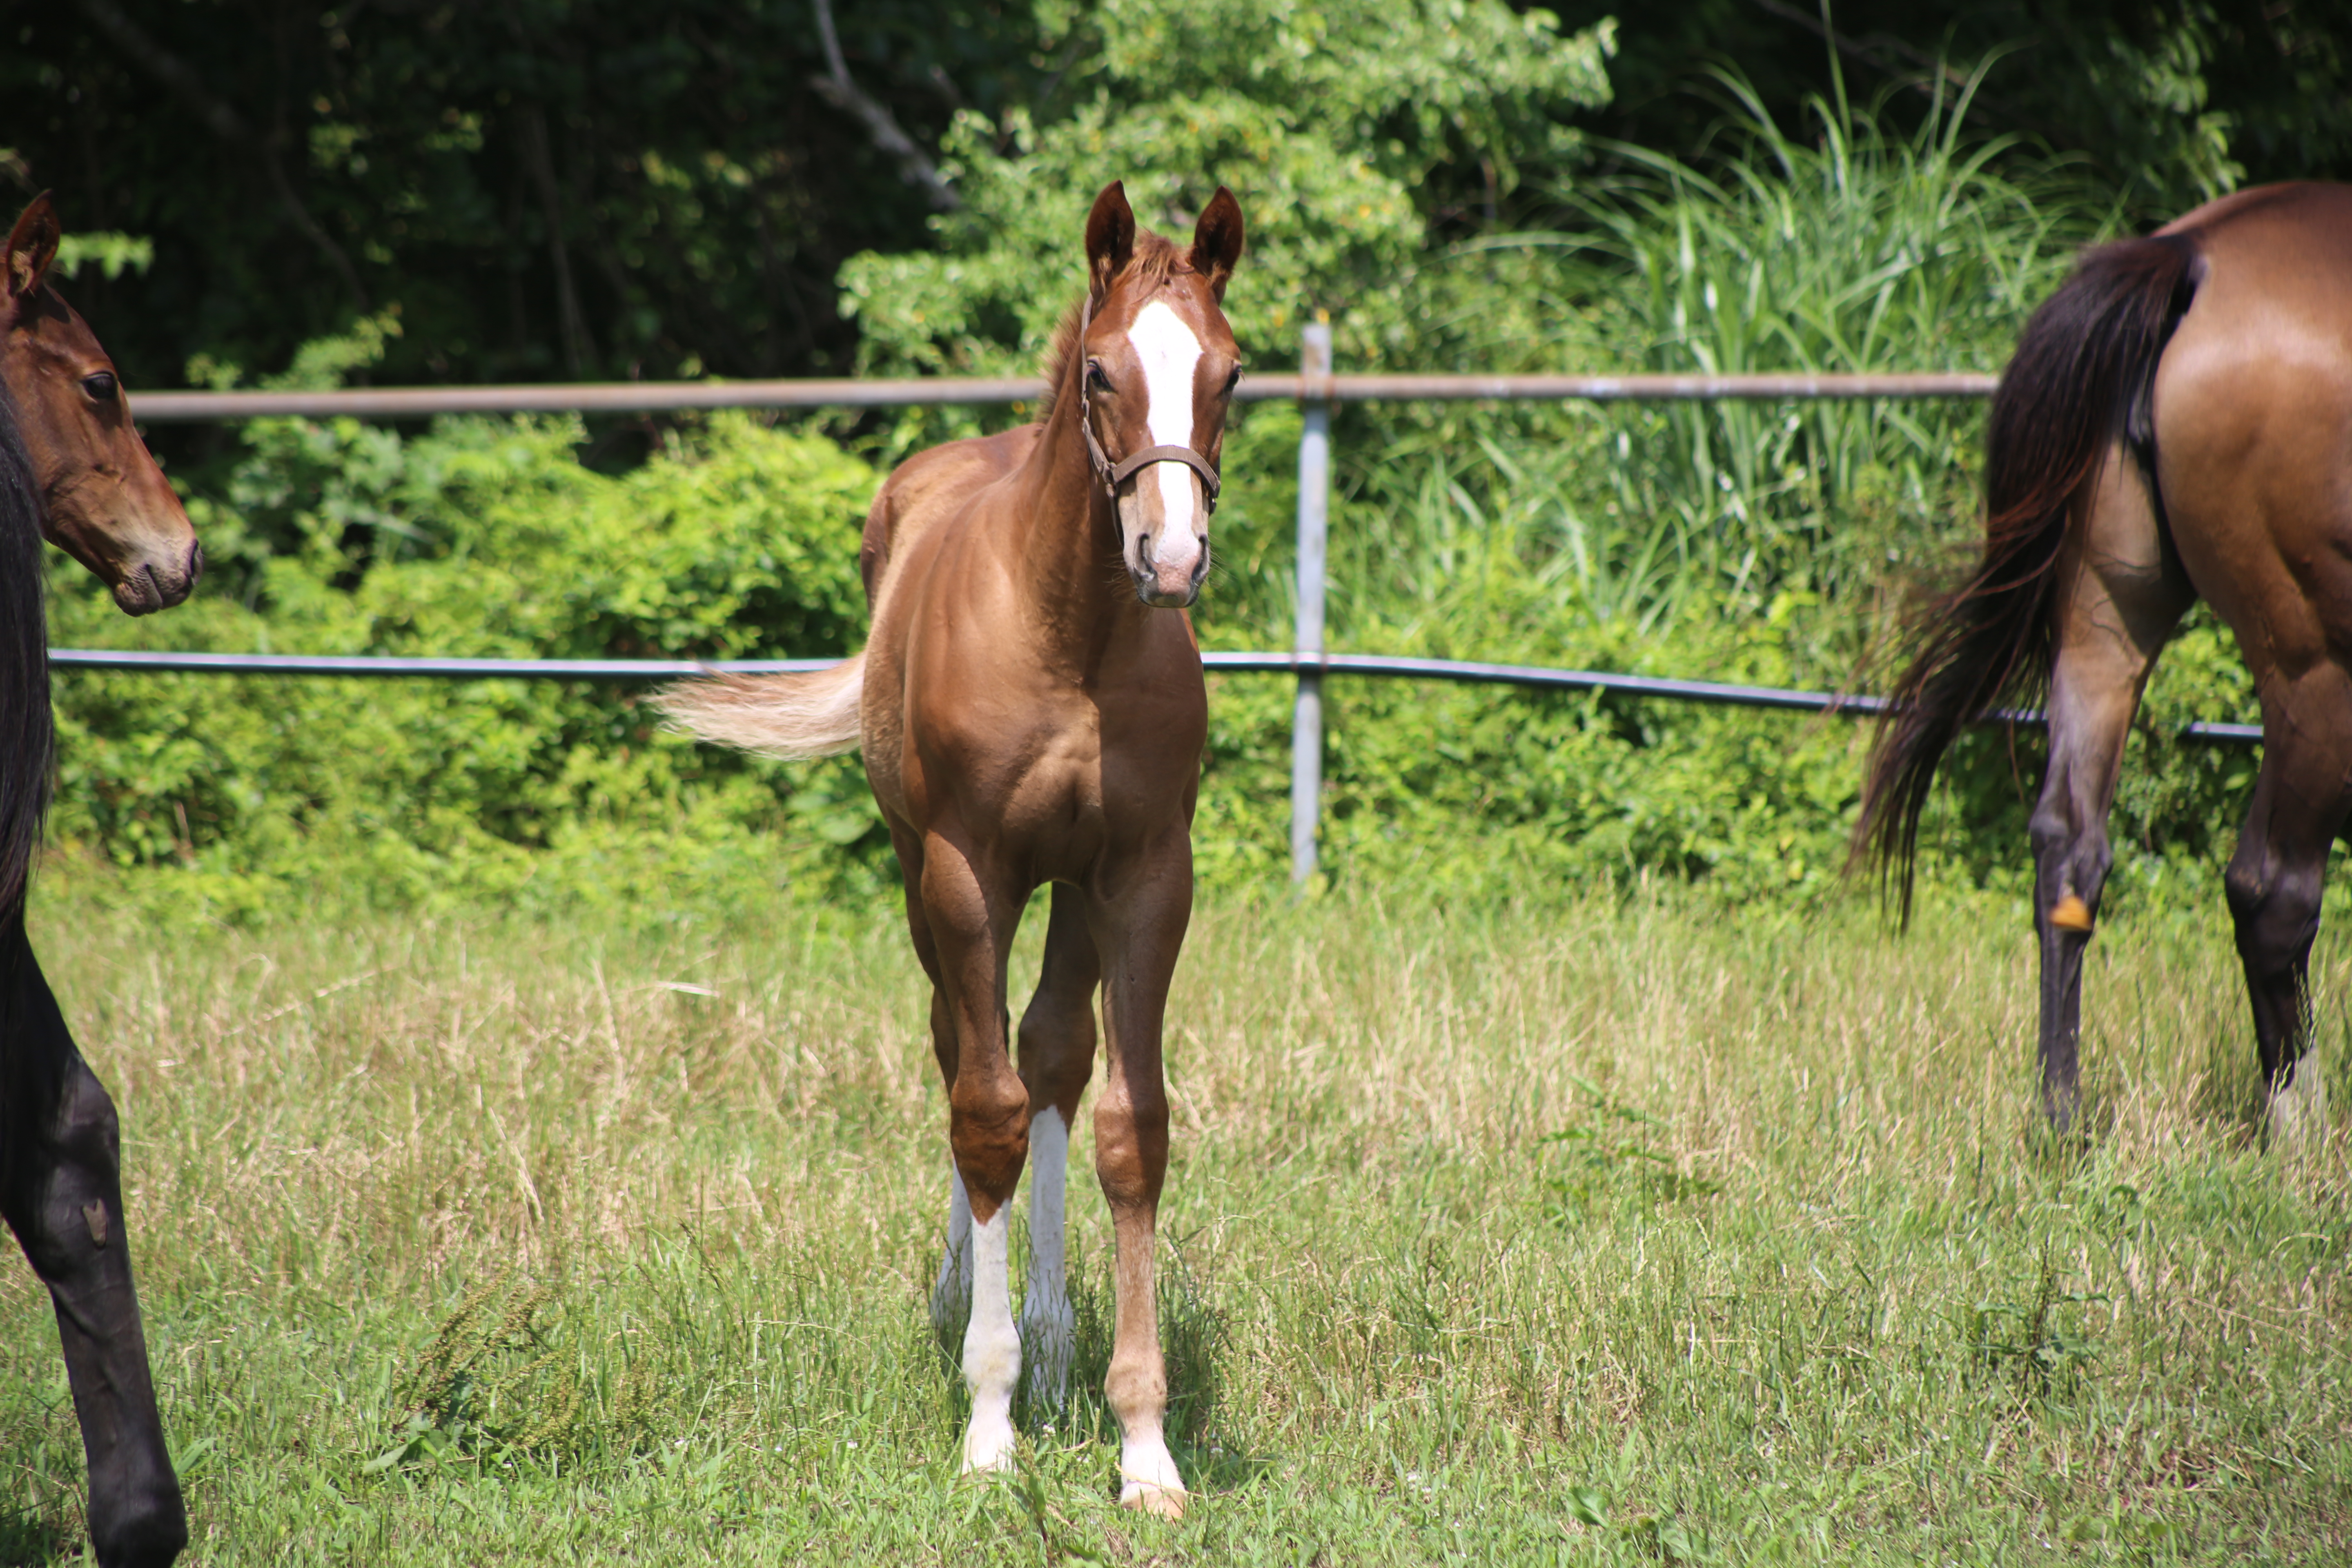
{"x":795,"y":717}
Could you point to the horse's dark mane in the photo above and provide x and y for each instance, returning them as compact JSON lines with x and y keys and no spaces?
{"x":1150,"y":265}
{"x":26,"y":736}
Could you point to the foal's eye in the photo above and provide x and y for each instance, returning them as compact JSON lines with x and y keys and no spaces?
{"x":100,"y":387}
{"x":1233,"y":379}
{"x":1095,"y":376}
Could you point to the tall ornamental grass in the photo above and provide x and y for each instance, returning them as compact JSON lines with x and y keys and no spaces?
{"x":1860,"y":247}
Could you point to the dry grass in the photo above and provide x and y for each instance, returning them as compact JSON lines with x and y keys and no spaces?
{"x":1597,"y":1231}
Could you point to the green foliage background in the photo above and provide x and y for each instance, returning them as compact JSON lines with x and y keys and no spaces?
{"x":485,"y":538}
{"x":1747,"y":542}
{"x":568,"y":188}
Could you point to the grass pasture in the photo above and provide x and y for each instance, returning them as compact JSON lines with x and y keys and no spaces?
{"x":1608,"y":1232}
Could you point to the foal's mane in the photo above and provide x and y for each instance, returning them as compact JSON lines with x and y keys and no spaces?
{"x":1150,"y":267}
{"x":27,"y":735}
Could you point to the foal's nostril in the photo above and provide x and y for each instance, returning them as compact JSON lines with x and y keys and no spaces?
{"x":195,"y":561}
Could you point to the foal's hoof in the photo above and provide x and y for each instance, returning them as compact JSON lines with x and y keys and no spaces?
{"x":988,"y":1448}
{"x":1150,"y":1497}
{"x":1148,"y":1479}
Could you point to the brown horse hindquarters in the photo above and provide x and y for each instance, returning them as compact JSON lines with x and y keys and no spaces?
{"x":2248,"y":418}
{"x":2217,"y":354}
{"x":2253,"y":419}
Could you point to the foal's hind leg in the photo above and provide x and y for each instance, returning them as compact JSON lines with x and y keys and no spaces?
{"x":2120,"y":592}
{"x":61,"y":1194}
{"x":1138,"y":918}
{"x":2301,"y":799}
{"x":1057,"y":1053}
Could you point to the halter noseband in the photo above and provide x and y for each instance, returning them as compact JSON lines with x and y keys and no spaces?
{"x":1114,"y":475}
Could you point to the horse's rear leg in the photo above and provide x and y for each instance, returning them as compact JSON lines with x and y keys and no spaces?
{"x":61,"y":1193}
{"x":1057,"y":1053}
{"x":2301,"y":798}
{"x":1138,"y":925}
{"x":2120,"y":592}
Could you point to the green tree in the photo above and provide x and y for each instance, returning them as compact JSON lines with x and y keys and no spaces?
{"x":543,"y":188}
{"x":2172,"y":101}
{"x":1355,"y":134}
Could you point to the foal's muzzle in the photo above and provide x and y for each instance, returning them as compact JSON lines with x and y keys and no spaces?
{"x":1168,"y":584}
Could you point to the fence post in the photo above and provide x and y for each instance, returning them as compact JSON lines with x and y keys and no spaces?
{"x":1314,"y":518}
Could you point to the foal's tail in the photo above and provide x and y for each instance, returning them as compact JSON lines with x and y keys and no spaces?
{"x":2079,"y":380}
{"x":795,"y":717}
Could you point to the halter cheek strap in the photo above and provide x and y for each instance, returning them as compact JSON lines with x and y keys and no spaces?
{"x":1114,"y":475}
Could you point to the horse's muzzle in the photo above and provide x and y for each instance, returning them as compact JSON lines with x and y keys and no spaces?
{"x":143,"y":590}
{"x":1170,"y":585}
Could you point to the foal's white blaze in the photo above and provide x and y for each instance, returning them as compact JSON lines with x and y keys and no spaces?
{"x":1170,"y":354}
{"x":1048,"y":1325}
{"x":992,"y":1347}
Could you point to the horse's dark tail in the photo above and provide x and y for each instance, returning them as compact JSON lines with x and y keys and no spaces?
{"x":2079,"y":380}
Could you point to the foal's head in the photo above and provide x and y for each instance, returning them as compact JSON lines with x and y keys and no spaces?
{"x":1158,"y":368}
{"x":104,"y":500}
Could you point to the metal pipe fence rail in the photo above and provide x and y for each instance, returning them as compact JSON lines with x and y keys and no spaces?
{"x":1533,"y":676}
{"x":1313,"y":387}
{"x":1314,"y":383}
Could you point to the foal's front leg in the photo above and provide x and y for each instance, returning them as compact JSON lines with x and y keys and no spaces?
{"x":1139,"y":917}
{"x":61,"y":1192}
{"x":971,"y":911}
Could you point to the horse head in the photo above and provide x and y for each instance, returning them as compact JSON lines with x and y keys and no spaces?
{"x":1158,"y":369}
{"x":105,"y":502}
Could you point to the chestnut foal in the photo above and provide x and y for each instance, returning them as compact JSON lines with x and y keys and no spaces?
{"x":1031,"y":709}
{"x":72,"y":468}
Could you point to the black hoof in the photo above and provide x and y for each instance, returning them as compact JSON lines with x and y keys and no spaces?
{"x":145,"y":1531}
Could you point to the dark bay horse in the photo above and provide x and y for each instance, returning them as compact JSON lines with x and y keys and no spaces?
{"x":72,"y":468}
{"x":2177,"y":422}
{"x":1031,"y":709}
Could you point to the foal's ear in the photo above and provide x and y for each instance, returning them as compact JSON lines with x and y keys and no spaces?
{"x":32,"y":246}
{"x":1217,"y":241}
{"x":1110,"y":238}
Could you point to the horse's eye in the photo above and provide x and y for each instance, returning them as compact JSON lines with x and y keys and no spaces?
{"x":1232,"y":380}
{"x":1095,"y":376}
{"x":100,"y":387}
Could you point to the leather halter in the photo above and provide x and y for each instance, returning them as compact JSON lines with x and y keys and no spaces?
{"x":1114,"y":475}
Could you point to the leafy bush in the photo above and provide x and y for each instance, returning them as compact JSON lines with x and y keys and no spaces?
{"x":483,"y":538}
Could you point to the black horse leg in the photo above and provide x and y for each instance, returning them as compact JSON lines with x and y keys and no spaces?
{"x":2120,"y":592}
{"x":2275,"y":879}
{"x":60,"y":1193}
